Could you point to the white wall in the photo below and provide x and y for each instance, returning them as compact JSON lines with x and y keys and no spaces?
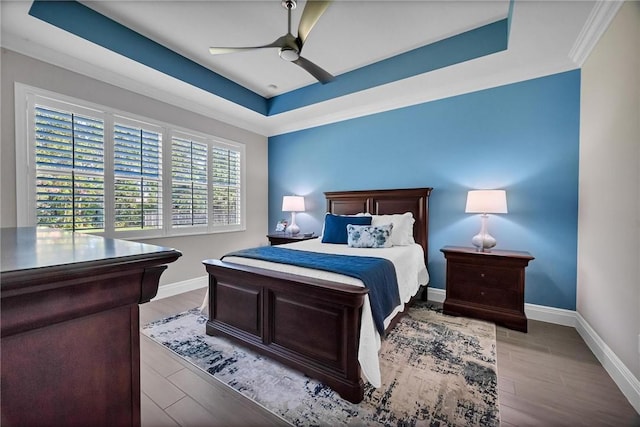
{"x":19,"y":68}
{"x":608,"y":293}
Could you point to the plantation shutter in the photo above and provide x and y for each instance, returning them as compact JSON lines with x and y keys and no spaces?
{"x":226,"y":186}
{"x":137,"y":178}
{"x":93,"y":169}
{"x":189,"y":198}
{"x":69,"y":155}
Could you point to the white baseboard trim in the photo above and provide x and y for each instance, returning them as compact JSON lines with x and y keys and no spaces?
{"x":628,"y":384}
{"x":172,"y":289}
{"x":618,"y":371}
{"x":436,"y":295}
{"x":559,"y":316}
{"x":534,"y":312}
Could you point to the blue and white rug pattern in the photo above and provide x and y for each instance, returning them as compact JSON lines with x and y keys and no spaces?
{"x":437,"y":370}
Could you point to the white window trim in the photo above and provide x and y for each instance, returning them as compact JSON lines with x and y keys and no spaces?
{"x":25,"y":95}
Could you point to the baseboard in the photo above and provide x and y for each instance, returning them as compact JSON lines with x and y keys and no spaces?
{"x":533,"y":311}
{"x":559,"y":316}
{"x":617,"y":370}
{"x":621,"y":375}
{"x":172,"y":289}
{"x":436,"y":295}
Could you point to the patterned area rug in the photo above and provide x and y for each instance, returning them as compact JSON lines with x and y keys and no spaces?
{"x":437,"y":370}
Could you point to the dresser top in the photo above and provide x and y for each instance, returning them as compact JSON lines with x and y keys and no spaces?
{"x":31,"y":248}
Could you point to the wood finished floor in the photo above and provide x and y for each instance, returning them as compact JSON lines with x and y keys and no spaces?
{"x":546,"y":377}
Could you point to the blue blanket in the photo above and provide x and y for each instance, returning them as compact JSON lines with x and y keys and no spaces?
{"x":377,"y":274}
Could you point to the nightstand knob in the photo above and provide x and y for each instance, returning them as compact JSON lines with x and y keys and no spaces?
{"x":482,"y":293}
{"x":481,"y":274}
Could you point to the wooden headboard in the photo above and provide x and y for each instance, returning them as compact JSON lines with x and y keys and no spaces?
{"x":386,"y":202}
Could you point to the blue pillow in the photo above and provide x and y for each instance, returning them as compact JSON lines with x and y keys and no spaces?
{"x":335,"y":227}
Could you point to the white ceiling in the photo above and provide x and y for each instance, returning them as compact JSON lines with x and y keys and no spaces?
{"x":349,"y":35}
{"x":546,"y":37}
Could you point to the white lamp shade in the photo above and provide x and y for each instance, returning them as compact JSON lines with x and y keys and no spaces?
{"x":293,"y":204}
{"x":486,"y":201}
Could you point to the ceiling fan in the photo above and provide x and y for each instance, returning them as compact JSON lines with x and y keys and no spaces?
{"x":291,"y":46}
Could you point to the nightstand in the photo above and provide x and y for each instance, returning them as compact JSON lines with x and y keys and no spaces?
{"x":282,"y":238}
{"x":486,"y":285}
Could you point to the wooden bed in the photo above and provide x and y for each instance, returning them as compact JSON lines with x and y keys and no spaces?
{"x":311,"y":325}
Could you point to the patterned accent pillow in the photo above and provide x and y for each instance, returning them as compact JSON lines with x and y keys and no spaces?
{"x":368,"y":236}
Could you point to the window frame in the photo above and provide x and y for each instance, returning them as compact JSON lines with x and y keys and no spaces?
{"x":26,"y":97}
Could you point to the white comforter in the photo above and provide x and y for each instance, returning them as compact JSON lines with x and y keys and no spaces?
{"x":410,"y":270}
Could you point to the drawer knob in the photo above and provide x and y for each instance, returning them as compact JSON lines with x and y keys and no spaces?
{"x":482,"y":293}
{"x":481,"y":274}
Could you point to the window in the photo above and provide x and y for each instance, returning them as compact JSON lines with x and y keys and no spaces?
{"x":189,"y":190}
{"x":69,"y":154}
{"x":112,"y":173}
{"x":226,"y":186}
{"x":203,"y":195}
{"x":137,"y":174}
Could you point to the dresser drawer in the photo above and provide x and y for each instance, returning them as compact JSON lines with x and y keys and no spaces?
{"x":490,"y":297}
{"x":466,"y":275}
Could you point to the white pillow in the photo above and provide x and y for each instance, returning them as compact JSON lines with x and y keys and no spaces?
{"x":402,"y":234}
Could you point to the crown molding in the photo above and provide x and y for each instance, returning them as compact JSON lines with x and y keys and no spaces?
{"x":597,"y":23}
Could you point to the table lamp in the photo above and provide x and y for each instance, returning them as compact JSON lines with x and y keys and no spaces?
{"x":485,"y":202}
{"x":293,"y":204}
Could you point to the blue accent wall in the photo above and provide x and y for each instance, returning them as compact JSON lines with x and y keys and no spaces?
{"x":522,"y":137}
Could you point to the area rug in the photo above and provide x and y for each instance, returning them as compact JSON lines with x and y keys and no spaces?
{"x":437,"y":370}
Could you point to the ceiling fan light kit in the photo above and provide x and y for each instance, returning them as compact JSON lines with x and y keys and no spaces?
{"x":289,"y":54}
{"x":290,"y":47}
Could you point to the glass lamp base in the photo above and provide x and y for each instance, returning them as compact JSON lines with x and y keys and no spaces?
{"x":293,"y":229}
{"x":484,"y":242}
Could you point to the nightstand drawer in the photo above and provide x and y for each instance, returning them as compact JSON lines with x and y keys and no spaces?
{"x":490,"y":297}
{"x":488,"y":277}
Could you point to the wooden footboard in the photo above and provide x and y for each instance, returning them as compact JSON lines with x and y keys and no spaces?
{"x":311,"y":325}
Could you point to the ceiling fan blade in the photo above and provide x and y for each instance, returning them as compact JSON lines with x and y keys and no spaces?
{"x":280,"y":42}
{"x":321,"y":75}
{"x":313,"y":10}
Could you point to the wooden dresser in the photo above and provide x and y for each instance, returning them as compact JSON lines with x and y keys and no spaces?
{"x":70,"y":326}
{"x":486,"y":285}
